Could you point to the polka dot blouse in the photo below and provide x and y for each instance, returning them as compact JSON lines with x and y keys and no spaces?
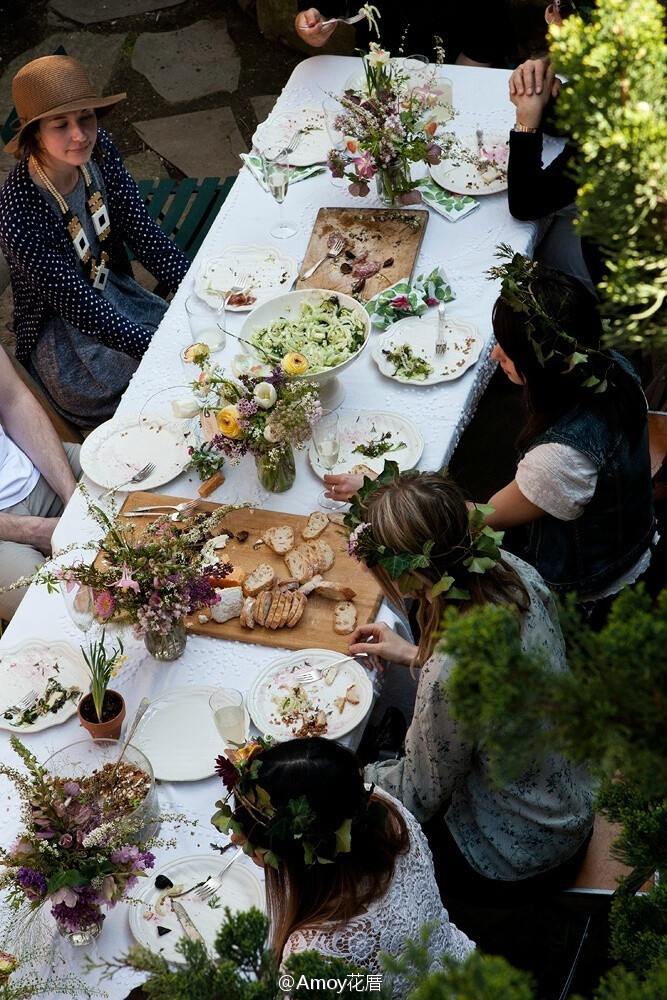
{"x":42,"y":259}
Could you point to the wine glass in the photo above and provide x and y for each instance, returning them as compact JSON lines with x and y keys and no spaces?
{"x":275,"y":165}
{"x":80,"y":603}
{"x":229,"y":716}
{"x":326,"y":438}
{"x":332,"y":109}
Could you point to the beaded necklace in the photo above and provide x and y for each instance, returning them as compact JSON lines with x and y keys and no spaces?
{"x":97,"y":273}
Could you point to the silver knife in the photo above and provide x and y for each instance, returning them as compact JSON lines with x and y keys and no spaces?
{"x":480,"y":141}
{"x":185,"y":922}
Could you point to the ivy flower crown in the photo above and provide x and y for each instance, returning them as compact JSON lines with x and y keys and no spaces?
{"x":479,"y":553}
{"x":255,"y":818}
{"x":579,"y":362}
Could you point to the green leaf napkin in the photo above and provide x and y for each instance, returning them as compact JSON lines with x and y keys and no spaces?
{"x":452,"y":206}
{"x":404,"y":299}
{"x":254,"y":165}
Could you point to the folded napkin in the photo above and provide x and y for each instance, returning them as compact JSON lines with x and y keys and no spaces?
{"x":452,"y":206}
{"x":405,"y":299}
{"x":254,"y":165}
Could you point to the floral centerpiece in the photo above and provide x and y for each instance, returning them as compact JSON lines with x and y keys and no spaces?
{"x":266,"y":416}
{"x":78,"y":851}
{"x":387,"y":128}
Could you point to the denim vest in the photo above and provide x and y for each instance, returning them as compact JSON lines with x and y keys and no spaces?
{"x":616,"y":526}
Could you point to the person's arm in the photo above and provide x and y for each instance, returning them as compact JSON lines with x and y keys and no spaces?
{"x":309,"y":27}
{"x":436,"y":759}
{"x":512,"y":508}
{"x":463,"y":60}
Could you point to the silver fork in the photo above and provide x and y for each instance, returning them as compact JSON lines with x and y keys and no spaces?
{"x":138,"y":477}
{"x":294,"y":141}
{"x":334,"y":250}
{"x":181,"y":508}
{"x":317,"y":673}
{"x":239,"y":285}
{"x":27,"y":700}
{"x":213,"y":882}
{"x":441,"y":341}
{"x":344,"y":20}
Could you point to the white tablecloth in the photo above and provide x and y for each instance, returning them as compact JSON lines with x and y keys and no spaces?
{"x":464,"y":249}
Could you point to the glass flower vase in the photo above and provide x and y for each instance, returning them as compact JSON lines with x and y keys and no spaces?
{"x":280,"y":477}
{"x":80,"y":937}
{"x":169,"y":646}
{"x":393,"y":181}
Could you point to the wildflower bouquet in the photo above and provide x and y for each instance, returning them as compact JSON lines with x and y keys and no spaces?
{"x":266,"y":416}
{"x":78,"y":851}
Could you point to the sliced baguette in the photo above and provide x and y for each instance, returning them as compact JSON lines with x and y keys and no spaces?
{"x":247,"y":617}
{"x":281,"y":539}
{"x":298,"y":565}
{"x":274,"y":612}
{"x":363,"y":470}
{"x":260,"y":578}
{"x":315,"y":525}
{"x":299,"y":602}
{"x":335,"y":591}
{"x":262,"y":606}
{"x":326,"y":554}
{"x":313,"y":554}
{"x":345,"y":617}
{"x":310,"y":585}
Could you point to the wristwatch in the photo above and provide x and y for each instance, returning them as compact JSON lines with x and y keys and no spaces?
{"x":518,"y":127}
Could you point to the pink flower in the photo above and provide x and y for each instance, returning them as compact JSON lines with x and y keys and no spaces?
{"x":365,"y":166}
{"x":400,"y":302}
{"x":126,"y":581}
{"x":105,"y":605}
{"x":62,"y":575}
{"x":66,"y":896}
{"x":432,"y":302}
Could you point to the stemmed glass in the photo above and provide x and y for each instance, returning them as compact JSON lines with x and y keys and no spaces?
{"x":229,"y":716}
{"x":332,"y":109}
{"x":275,"y":165}
{"x":326,"y":438}
{"x":80,"y":603}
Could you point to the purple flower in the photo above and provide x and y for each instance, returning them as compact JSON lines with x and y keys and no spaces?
{"x":246,"y":407}
{"x":410,"y":198}
{"x":400,"y":302}
{"x":365,"y":165}
{"x":359,"y":190}
{"x":433,"y":153}
{"x":33,"y":883}
{"x":227,"y":771}
{"x":353,"y":540}
{"x":81,"y":910}
{"x":432,"y":302}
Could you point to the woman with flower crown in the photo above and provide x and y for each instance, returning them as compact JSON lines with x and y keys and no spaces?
{"x":348,"y":870}
{"x":491,"y":845}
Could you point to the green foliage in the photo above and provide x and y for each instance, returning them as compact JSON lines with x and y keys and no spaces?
{"x":639,"y":929}
{"x":615,"y":109}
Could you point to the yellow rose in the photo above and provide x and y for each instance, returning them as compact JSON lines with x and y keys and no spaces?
{"x":228,"y":422}
{"x":295,"y":363}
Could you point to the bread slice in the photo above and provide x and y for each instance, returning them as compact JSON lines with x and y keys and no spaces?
{"x":263,"y":606}
{"x":299,"y":602}
{"x":229,"y":606}
{"x":281,"y":539}
{"x":277,"y":609}
{"x":345,"y":618}
{"x":260,"y":578}
{"x":313,"y":554}
{"x":326,"y":554}
{"x":284,"y":585}
{"x":315,"y":525}
{"x":298,"y":565}
{"x":273,"y":610}
{"x":335,"y":591}
{"x":310,"y":585}
{"x":248,"y":613}
{"x":285,"y":609}
{"x":363,"y":470}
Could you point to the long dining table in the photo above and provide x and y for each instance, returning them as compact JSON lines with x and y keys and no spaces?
{"x":465,"y":250}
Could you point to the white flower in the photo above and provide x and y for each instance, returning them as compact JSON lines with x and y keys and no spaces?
{"x":266,"y":395}
{"x":185,"y":409}
{"x":271,"y":434}
{"x":377,"y":56}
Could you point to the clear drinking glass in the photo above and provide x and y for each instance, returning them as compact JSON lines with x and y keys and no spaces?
{"x":80,"y":603}
{"x":205,"y":326}
{"x":326,"y":438}
{"x":332,"y":109}
{"x":417,"y":69}
{"x":229,"y":716}
{"x":275,"y":165}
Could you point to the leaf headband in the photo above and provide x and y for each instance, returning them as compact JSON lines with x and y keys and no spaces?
{"x":517,"y":275}
{"x":261,"y":823}
{"x":478,"y":553}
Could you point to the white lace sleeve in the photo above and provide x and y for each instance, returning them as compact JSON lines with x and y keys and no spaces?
{"x":558,"y":478}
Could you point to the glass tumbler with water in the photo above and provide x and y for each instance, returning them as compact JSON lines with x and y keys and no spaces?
{"x":205,"y":328}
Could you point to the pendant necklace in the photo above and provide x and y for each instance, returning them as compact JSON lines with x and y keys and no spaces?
{"x":97,"y":273}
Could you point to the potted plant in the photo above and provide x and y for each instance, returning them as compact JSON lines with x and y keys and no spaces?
{"x":102,"y":711}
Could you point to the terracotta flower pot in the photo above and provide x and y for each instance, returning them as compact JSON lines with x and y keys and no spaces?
{"x":113,"y":711}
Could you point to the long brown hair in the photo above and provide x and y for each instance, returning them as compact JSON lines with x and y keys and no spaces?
{"x":412,"y":510}
{"x":329,"y":776}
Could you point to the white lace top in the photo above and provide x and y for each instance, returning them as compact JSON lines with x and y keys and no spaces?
{"x":411,"y":901}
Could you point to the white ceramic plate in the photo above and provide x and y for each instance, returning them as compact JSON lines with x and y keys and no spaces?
{"x":178,"y":734}
{"x":278,"y":676}
{"x":28,"y":667}
{"x":119,"y":448}
{"x":241,"y":888}
{"x":464,"y":178}
{"x":360,"y":428}
{"x":270,"y":271}
{"x":279,"y":129}
{"x":464,"y":345}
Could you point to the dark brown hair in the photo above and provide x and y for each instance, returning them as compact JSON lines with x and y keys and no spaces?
{"x":31,"y":146}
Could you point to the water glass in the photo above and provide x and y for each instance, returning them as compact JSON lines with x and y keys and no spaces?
{"x":205,"y":328}
{"x":229,"y":716}
{"x":443,"y":109}
{"x":275,"y":166}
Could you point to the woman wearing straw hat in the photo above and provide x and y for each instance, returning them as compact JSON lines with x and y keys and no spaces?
{"x":67,"y":212}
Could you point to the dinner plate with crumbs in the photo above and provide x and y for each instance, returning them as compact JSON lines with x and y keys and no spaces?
{"x":270,"y":271}
{"x":469,"y":172}
{"x":406,"y":351}
{"x":370,"y":438}
{"x":118,"y":449}
{"x":279,"y":130}
{"x":57,"y":674}
{"x":281,"y":706}
{"x":153,"y":921}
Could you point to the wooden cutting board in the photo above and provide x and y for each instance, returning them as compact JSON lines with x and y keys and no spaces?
{"x":315,"y":629}
{"x":388,"y":235}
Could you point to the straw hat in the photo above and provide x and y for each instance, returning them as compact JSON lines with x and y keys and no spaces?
{"x":52,"y":85}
